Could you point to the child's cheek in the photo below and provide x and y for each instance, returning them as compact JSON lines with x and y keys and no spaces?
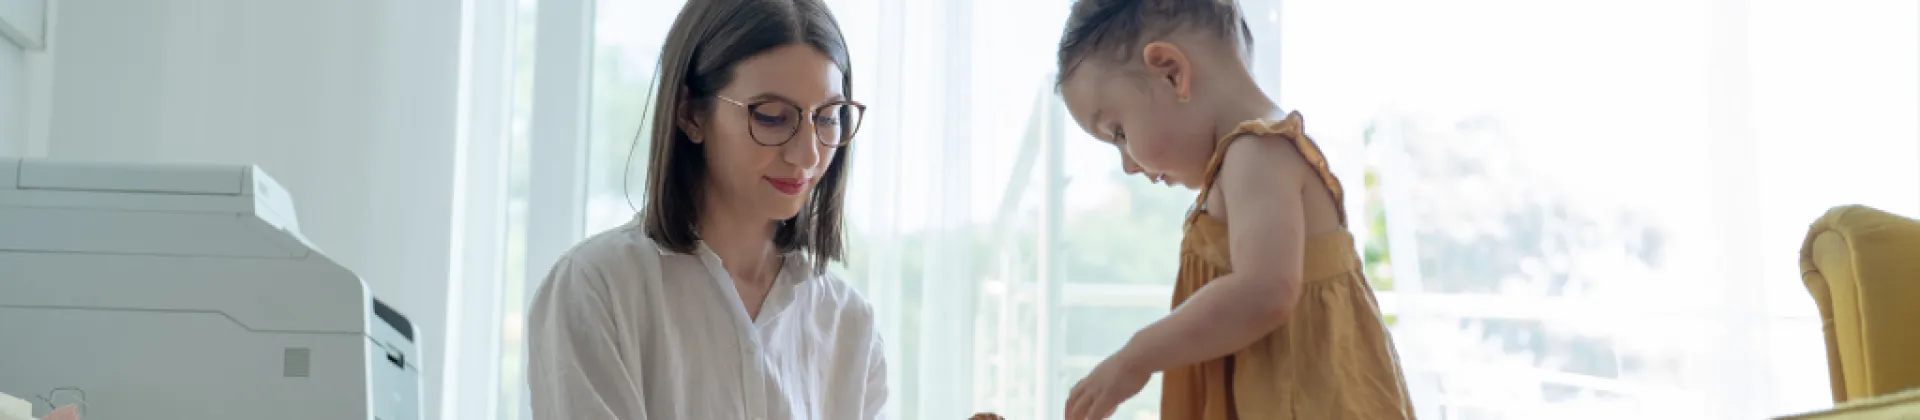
{"x":1183,"y":160}
{"x":1169,"y":146}
{"x":1149,"y":152}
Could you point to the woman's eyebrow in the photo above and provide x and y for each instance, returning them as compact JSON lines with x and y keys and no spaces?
{"x":770,"y":95}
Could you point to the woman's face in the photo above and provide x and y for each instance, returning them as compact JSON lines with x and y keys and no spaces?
{"x":770,"y":101}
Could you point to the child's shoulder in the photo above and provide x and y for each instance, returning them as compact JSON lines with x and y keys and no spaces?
{"x":1267,"y":148}
{"x":1261,"y":157}
{"x":1286,"y":133}
{"x":1289,"y":125}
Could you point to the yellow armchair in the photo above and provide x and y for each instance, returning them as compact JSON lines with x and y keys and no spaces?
{"x":1862,"y":267}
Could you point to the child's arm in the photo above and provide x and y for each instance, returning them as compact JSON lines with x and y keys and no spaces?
{"x":1261,"y":180}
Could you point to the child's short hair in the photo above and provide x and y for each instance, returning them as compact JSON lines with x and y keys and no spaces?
{"x":1118,"y":28}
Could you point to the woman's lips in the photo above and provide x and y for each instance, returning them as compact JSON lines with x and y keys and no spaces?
{"x":788,"y":186}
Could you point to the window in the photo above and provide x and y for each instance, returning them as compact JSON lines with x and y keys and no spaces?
{"x":1561,"y":216}
{"x":518,"y":284}
{"x":1590,"y":222}
{"x":966,"y":235}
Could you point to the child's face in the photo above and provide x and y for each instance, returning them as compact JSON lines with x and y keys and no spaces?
{"x":1158,"y":137}
{"x":768,"y":102}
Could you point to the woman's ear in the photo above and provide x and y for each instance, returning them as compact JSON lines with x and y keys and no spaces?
{"x":688,"y":118}
{"x":1169,"y":64}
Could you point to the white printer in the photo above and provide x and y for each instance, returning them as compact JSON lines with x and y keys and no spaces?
{"x":175,"y":291}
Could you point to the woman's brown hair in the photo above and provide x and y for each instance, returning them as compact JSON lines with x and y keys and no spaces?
{"x":706,"y":41}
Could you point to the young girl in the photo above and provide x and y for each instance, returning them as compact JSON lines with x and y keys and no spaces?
{"x":715,"y":302}
{"x":1272,"y":318}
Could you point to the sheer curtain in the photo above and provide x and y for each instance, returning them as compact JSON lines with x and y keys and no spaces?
{"x":1003,"y":249}
{"x":1593,"y":209}
{"x":1571,"y":208}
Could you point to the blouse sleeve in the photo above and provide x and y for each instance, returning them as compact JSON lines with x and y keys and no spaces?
{"x":876,"y":395}
{"x":575,"y":369}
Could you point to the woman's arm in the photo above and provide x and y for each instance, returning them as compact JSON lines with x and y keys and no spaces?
{"x":574,"y":368}
{"x":1261,"y":181}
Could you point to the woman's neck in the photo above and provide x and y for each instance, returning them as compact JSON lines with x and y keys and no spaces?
{"x":744,"y":244}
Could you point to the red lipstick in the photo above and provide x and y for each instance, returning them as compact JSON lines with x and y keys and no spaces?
{"x":788,"y":186}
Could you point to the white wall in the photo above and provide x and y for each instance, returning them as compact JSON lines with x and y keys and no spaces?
{"x":13,"y":97}
{"x":21,"y":22}
{"x":25,"y":73}
{"x":350,"y":104}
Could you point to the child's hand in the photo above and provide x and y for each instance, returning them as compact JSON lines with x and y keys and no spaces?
{"x":1111,"y":383}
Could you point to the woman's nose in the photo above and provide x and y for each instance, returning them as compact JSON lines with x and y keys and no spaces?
{"x":804,"y":150}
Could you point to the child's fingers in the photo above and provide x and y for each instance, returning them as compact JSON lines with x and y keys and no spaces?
{"x":1073,"y":401}
{"x":1106,"y":412}
{"x":1102,"y":408}
{"x":1078,"y":411}
{"x":1080,"y":405}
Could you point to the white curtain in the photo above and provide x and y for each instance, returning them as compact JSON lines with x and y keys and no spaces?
{"x":1569,"y":208}
{"x":1593,"y":209}
{"x":1002,"y":247}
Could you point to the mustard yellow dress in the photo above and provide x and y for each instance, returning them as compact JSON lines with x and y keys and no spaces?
{"x":1332,"y":360}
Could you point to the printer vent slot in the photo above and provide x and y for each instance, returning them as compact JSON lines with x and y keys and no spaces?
{"x":296,"y":362}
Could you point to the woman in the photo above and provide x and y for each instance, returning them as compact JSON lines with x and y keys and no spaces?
{"x":715,"y":302}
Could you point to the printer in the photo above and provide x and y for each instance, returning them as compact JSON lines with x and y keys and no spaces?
{"x":186,"y":291}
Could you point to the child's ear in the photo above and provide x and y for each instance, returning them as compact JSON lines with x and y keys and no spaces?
{"x":1166,"y":62}
{"x":689,"y":119}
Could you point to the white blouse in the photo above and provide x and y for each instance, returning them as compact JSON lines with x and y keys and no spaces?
{"x":623,"y":329}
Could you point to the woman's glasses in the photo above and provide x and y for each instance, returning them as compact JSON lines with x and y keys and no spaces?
{"x":775,"y":121}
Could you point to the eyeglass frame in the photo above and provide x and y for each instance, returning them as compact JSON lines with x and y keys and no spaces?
{"x":807,"y":115}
